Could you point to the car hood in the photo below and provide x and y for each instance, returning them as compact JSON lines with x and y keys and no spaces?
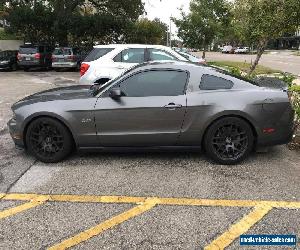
{"x":62,"y":93}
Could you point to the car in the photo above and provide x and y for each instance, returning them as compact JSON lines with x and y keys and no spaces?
{"x":35,"y":56}
{"x":242,"y":50}
{"x":9,"y":60}
{"x":228,"y":49}
{"x":193,"y":58}
{"x":155,"y":106}
{"x":66,"y":58}
{"x":106,"y":62}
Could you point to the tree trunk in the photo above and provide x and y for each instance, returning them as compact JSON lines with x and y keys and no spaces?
{"x":260,"y":50}
{"x":204,"y":53}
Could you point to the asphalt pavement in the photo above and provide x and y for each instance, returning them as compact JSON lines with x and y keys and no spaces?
{"x":285,"y":61}
{"x":177,"y":200}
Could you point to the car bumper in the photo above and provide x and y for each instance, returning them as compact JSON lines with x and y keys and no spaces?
{"x":4,"y":66}
{"x":64,"y":65}
{"x":30,"y":64}
{"x":283,"y":133}
{"x":15,"y":133}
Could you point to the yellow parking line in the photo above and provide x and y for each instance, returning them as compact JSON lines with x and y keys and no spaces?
{"x":161,"y":201}
{"x":96,"y":230}
{"x":20,"y":208}
{"x":239,"y":228}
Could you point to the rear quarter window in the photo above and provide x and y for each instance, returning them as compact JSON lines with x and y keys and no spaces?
{"x":210,"y":82}
{"x":97,"y":53}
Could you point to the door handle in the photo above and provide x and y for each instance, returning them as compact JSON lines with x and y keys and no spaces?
{"x":173,"y":106}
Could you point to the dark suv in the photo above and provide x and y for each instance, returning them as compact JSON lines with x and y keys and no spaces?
{"x":66,"y":57}
{"x":35,"y":56}
{"x":9,"y":60}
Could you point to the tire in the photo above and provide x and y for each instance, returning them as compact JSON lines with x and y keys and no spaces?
{"x":14,"y":67}
{"x":48,"y":140}
{"x":229,"y":140}
{"x":26,"y":69}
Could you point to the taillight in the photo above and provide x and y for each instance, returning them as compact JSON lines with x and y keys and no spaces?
{"x":37,"y":55}
{"x":19,"y":56}
{"x":84,"y":68}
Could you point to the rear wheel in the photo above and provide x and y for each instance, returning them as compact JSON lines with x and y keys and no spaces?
{"x":48,"y":140}
{"x":14,"y":67}
{"x":229,"y":140}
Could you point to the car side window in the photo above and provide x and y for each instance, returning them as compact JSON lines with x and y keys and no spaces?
{"x":131,"y":56}
{"x":155,"y":83}
{"x":209,"y":82}
{"x":160,"y":55}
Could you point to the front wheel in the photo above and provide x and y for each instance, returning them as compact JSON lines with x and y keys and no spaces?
{"x":48,"y":140}
{"x":229,"y":140}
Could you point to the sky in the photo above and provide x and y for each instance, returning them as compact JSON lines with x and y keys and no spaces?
{"x":164,"y":9}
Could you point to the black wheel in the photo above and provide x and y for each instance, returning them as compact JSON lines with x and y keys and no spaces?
{"x":14,"y":67}
{"x":48,"y":140}
{"x":26,"y":69}
{"x":229,"y":140}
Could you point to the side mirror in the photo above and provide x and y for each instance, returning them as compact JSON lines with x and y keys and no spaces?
{"x":115,"y":93}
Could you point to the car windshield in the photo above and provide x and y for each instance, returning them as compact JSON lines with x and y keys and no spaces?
{"x":97,"y":53}
{"x":28,"y":50}
{"x":62,"y":51}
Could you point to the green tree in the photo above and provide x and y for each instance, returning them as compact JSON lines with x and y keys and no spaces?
{"x":262,"y":20}
{"x":207,"y":18}
{"x":67,"y":21}
{"x":146,"y":31}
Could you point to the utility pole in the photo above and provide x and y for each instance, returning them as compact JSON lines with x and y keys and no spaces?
{"x":170,"y":31}
{"x":168,"y":37}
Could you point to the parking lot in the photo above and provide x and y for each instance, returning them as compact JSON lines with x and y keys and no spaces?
{"x":167,"y":200}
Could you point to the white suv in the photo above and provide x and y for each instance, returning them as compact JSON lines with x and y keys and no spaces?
{"x":106,"y":62}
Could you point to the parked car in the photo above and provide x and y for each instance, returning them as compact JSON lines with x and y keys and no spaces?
{"x":66,"y":57}
{"x":228,"y":49}
{"x":35,"y":56}
{"x":105,"y":62}
{"x":193,"y":58}
{"x":242,"y":50}
{"x":9,"y":60}
{"x":156,"y":105}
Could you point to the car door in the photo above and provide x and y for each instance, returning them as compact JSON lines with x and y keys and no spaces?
{"x":150,"y":113}
{"x":129,"y":57}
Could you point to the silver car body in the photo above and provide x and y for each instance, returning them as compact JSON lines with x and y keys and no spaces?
{"x":100,"y":122}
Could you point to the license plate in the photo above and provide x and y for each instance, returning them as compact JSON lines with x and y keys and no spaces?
{"x":61,"y":60}
{"x":27,"y":58}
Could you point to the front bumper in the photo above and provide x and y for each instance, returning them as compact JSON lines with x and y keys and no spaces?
{"x":15,"y":133}
{"x":4,"y":66}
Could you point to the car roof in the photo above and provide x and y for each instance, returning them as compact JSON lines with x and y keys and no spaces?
{"x":130,"y":46}
{"x":181,"y":65}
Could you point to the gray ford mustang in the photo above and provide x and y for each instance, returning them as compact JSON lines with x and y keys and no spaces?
{"x":158,"y":105}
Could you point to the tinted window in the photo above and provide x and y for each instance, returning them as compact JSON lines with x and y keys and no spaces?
{"x":96,"y":53}
{"x":160,"y":55}
{"x":155,"y":83}
{"x":62,"y":51}
{"x":209,"y":82}
{"x":131,"y":56}
{"x":28,"y":50}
